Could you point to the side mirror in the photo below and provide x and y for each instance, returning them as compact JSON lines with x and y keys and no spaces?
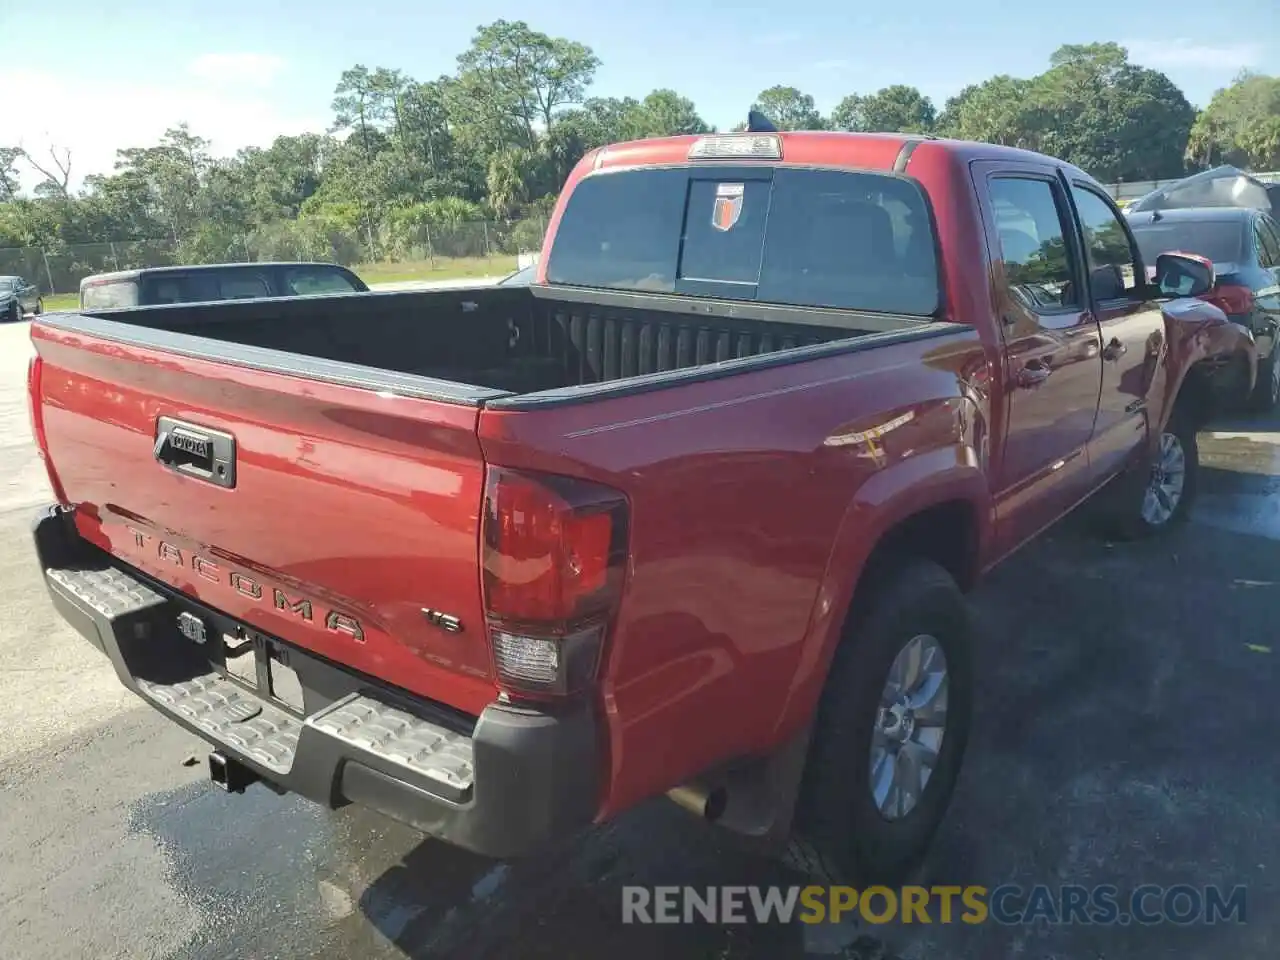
{"x":1184,"y":275}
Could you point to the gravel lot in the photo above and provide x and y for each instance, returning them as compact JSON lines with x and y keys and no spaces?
{"x":1125,"y":735}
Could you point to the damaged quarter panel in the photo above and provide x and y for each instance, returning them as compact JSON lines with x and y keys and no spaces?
{"x":1197,"y":332}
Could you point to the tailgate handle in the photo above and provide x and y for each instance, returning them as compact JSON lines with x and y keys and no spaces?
{"x":196,"y":452}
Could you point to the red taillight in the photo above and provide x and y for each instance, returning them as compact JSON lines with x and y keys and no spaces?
{"x":554,"y":553}
{"x":1231,"y":299}
{"x":35,"y":372}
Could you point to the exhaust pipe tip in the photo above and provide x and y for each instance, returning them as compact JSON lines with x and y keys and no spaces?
{"x":707,"y":803}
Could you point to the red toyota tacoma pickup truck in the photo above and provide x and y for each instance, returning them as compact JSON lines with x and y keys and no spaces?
{"x":693,"y":514}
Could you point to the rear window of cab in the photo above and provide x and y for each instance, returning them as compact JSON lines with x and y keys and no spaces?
{"x":793,"y":236}
{"x":113,"y":293}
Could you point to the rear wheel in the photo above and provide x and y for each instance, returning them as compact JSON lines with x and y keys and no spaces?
{"x":39,"y":307}
{"x":15,"y":311}
{"x":890,"y":734}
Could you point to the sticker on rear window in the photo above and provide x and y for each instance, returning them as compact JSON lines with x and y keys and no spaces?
{"x":728,"y":205}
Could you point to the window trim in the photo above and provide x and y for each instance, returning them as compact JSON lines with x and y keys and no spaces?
{"x":1075,"y":258}
{"x":1141,"y":287}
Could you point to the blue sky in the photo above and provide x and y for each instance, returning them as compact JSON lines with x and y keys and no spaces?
{"x":242,"y":72}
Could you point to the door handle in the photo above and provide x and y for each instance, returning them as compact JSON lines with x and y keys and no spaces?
{"x":197,"y":452}
{"x":1114,"y":350}
{"x":1030,"y":376}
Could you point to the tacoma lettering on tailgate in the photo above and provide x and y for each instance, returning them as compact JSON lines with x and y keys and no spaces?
{"x":209,"y":570}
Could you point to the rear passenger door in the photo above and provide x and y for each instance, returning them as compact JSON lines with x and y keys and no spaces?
{"x":1053,"y":371}
{"x":1132,"y":327}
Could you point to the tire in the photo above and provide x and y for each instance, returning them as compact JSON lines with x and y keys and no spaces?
{"x":15,"y":312}
{"x":1132,"y":517}
{"x":39,"y":307}
{"x":840,"y":833}
{"x":1266,"y":392}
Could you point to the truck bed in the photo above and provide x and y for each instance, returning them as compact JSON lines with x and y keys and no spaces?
{"x":330,"y":484}
{"x":327,"y":498}
{"x":501,"y":341}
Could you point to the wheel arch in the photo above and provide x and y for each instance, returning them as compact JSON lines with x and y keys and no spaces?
{"x":1212,"y":367}
{"x":935,"y":506}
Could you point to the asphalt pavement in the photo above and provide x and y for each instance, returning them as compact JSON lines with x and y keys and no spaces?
{"x":1125,"y":734}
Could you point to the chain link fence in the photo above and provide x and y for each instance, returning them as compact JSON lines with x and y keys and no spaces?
{"x":397,"y":247}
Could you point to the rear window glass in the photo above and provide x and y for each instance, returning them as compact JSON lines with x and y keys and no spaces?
{"x":316,"y":281}
{"x":203,"y":286}
{"x":180,"y":288}
{"x":99,"y":296}
{"x":854,"y":240}
{"x":166,"y":290}
{"x":621,"y":230}
{"x":724,"y":230}
{"x":243,"y":286}
{"x":1219,"y":240}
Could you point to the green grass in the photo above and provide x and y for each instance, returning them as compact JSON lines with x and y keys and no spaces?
{"x":61,"y":301}
{"x":443,"y":268}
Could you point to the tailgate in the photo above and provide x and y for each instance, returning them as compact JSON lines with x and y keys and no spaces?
{"x":334,"y":517}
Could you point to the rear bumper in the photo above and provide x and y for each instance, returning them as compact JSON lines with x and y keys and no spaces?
{"x":501,"y":785}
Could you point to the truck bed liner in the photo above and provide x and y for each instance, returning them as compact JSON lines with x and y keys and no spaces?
{"x":509,"y":340}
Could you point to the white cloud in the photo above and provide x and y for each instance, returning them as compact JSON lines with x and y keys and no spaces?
{"x":96,"y":118}
{"x":1183,"y":53}
{"x":832,"y":65}
{"x":238,"y":69}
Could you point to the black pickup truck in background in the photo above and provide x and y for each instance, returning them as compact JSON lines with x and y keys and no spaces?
{"x":203,"y":283}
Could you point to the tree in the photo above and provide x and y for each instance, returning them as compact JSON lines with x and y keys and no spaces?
{"x":357,"y":104}
{"x":1238,"y":124}
{"x":57,"y":178}
{"x":389,"y":89}
{"x":602,"y":120}
{"x":1108,"y":116}
{"x":276,"y":181}
{"x":1260,"y":144}
{"x":990,"y":112}
{"x":425,"y":132}
{"x":508,"y":172}
{"x":9,"y":182}
{"x":516,"y":75}
{"x":895,"y":109}
{"x":1091,"y":107}
{"x":406,"y":160}
{"x":170,"y":175}
{"x":664,"y":113}
{"x":788,"y":108}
